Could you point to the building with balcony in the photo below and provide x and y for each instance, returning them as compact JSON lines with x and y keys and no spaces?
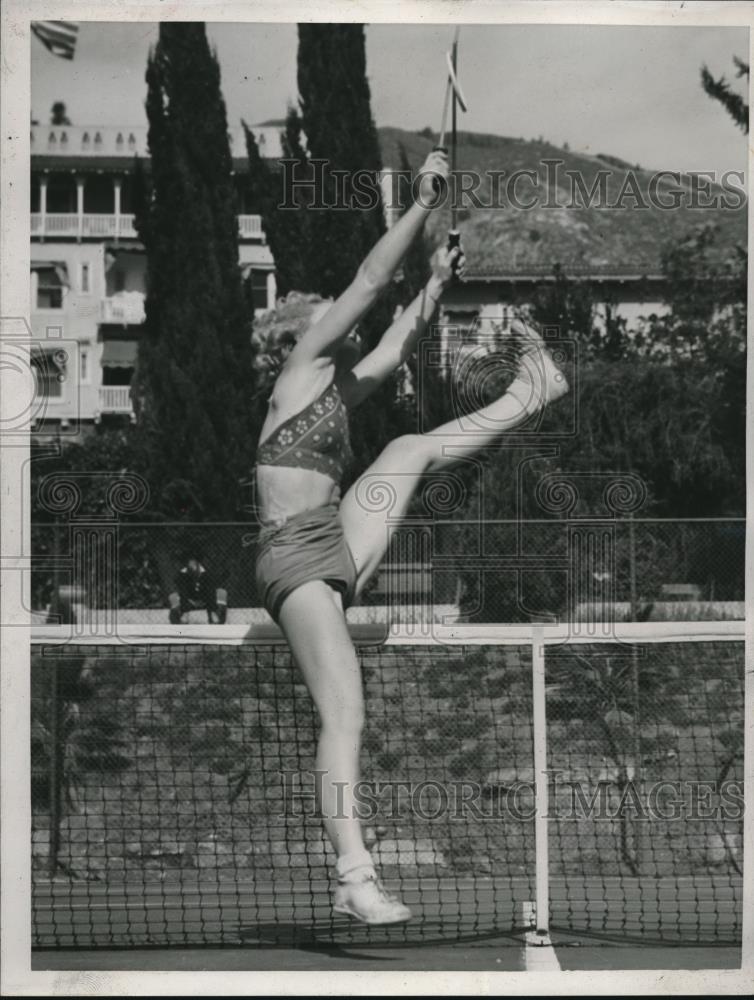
{"x":88,"y":267}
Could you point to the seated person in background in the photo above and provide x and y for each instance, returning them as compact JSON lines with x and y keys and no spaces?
{"x":195,"y":589}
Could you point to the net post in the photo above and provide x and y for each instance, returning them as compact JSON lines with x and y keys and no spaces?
{"x":539,"y":733}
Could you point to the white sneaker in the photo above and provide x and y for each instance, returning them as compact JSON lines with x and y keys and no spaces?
{"x":367,"y":900}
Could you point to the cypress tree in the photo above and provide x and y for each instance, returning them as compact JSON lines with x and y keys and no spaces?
{"x":337,"y":122}
{"x":285,"y":228}
{"x":192,"y":389}
{"x":336,"y":118}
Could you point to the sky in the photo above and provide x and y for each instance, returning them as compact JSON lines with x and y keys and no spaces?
{"x":632,"y":92}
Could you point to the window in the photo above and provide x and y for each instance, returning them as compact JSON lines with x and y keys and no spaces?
{"x":85,"y":278}
{"x":84,"y":367}
{"x":35,"y":195}
{"x":49,"y":368}
{"x":259,"y":288}
{"x":117,"y":376}
{"x":61,"y":194}
{"x":49,"y":288}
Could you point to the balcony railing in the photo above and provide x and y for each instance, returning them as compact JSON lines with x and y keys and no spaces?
{"x":89,"y":140}
{"x":87,"y":225}
{"x":108,"y":226}
{"x":127,"y":309}
{"x":115,"y":399}
{"x":250,"y":226}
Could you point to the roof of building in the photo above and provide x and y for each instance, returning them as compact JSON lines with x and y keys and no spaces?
{"x":85,"y":163}
{"x":637,"y":271}
{"x":103,"y":164}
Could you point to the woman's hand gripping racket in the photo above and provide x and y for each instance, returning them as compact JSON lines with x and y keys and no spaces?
{"x":448,"y":263}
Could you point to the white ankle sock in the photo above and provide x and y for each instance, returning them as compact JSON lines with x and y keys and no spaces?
{"x":348,"y":863}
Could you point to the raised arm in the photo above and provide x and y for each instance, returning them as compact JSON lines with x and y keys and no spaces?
{"x":399,"y":341}
{"x":376,"y":271}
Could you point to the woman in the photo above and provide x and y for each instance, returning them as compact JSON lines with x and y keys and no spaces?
{"x":316,"y":552}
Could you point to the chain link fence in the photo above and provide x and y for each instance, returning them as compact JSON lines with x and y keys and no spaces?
{"x":493,"y":571}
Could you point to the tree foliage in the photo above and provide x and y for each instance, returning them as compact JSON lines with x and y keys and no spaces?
{"x":285,"y":227}
{"x":341,"y":137}
{"x":706,"y":295}
{"x":336,"y":118}
{"x":192,"y":389}
{"x":704,"y":334}
{"x":720,"y":90}
{"x":92,"y":466}
{"x":330,"y":147}
{"x":664,"y":401}
{"x":568,"y":306}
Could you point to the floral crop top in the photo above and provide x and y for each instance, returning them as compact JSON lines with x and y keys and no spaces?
{"x":316,"y":438}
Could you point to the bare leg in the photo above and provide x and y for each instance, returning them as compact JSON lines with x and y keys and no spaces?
{"x":404,"y":461}
{"x":314,"y":624}
{"x":315,"y":627}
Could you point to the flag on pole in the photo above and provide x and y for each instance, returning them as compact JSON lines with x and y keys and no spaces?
{"x":57,"y":36}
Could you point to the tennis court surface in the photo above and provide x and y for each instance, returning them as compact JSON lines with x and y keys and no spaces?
{"x":454,"y":929}
{"x":174,"y":825}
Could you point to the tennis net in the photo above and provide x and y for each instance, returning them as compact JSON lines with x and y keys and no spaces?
{"x":173,"y":789}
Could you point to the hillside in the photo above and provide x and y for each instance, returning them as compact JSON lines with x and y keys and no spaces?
{"x":624,"y":228}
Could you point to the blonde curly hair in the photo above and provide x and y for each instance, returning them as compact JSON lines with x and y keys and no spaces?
{"x":275,"y":332}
